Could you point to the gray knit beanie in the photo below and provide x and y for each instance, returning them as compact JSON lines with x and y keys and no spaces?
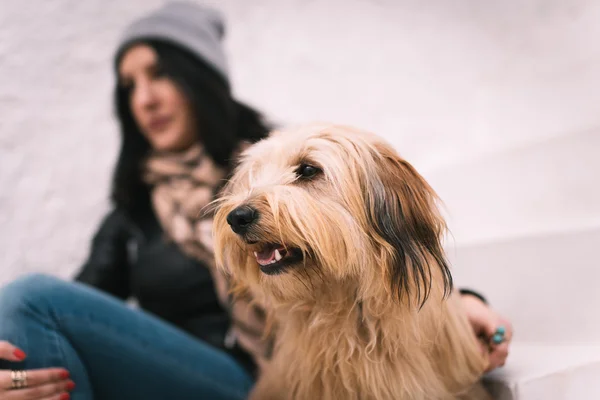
{"x":199,"y":29}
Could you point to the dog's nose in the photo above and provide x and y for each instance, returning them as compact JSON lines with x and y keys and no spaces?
{"x":241,"y":218}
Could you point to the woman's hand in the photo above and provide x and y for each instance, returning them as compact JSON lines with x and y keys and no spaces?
{"x":485,"y":323}
{"x":42,"y":384}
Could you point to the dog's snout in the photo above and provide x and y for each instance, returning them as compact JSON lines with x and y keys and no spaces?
{"x":241,"y":218}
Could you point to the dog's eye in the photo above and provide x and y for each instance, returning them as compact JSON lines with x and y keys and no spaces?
{"x":307,"y":171}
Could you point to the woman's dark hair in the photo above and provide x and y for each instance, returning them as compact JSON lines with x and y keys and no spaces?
{"x":223,"y":121}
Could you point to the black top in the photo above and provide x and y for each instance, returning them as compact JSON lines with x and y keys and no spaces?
{"x":136,"y":260}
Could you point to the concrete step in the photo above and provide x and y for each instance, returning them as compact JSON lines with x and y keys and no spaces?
{"x":546,"y":284}
{"x":548,"y":372}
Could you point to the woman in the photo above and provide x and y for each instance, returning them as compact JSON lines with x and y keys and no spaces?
{"x":180,"y":130}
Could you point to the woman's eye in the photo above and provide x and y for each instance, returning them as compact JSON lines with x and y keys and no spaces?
{"x":127,"y":85}
{"x":307,"y":171}
{"x":159,"y":72}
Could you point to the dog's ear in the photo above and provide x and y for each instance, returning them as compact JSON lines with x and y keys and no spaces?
{"x":402,"y":208}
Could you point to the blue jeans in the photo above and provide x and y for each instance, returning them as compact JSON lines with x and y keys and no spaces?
{"x":112,"y":351}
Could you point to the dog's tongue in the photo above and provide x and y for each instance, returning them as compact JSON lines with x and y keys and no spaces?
{"x":269,"y":255}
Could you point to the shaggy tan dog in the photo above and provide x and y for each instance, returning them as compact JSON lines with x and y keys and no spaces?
{"x":342,"y":238}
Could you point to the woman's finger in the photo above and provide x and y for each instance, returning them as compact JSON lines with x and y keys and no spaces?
{"x":492,"y":324}
{"x":61,"y":396}
{"x":50,"y":390}
{"x":498,"y":356}
{"x":509,"y":331}
{"x":35,"y":377}
{"x":503,"y":330}
{"x":10,"y":352}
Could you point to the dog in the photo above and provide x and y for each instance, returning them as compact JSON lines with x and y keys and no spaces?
{"x":341,"y":237}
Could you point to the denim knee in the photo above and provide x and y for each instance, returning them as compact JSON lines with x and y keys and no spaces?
{"x":27,"y":293}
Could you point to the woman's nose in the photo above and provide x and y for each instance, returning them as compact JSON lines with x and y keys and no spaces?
{"x":145,"y":96}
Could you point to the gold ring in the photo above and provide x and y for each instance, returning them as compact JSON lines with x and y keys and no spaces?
{"x":19,"y":379}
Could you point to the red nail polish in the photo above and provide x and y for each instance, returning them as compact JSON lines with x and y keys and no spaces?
{"x":65,"y":396}
{"x":70,"y":385}
{"x":19,"y":354}
{"x":64,"y":374}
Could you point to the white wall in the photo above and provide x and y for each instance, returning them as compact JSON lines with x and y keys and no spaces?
{"x":466,"y":90}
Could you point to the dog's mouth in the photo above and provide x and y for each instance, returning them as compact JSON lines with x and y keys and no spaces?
{"x":275,"y":258}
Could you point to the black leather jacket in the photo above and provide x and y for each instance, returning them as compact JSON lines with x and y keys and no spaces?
{"x":130,"y":259}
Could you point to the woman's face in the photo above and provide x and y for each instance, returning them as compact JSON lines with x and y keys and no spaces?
{"x":162,"y":112}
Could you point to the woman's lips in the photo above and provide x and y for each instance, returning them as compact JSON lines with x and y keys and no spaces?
{"x":158,"y":124}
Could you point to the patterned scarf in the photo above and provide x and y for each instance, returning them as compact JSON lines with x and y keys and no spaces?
{"x":183,"y":184}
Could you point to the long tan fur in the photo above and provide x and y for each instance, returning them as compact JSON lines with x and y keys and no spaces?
{"x":370,"y":312}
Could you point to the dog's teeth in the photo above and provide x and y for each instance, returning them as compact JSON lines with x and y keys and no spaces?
{"x":255,"y":254}
{"x":277,"y":255}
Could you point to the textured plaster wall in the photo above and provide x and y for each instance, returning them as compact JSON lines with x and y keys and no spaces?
{"x":477,"y":94}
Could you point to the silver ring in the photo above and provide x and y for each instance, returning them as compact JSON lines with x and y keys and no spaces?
{"x":19,"y":379}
